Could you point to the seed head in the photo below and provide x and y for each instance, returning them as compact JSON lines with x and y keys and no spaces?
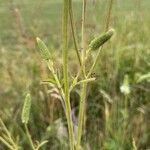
{"x":43,"y":50}
{"x":26,"y":109}
{"x":99,"y":41}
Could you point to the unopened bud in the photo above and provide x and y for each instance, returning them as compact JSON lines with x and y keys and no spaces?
{"x":43,"y":50}
{"x":26,"y":109}
{"x":99,"y":41}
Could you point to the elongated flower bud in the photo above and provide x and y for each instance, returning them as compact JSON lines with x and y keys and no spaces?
{"x":43,"y":50}
{"x":26,"y":109}
{"x":99,"y":41}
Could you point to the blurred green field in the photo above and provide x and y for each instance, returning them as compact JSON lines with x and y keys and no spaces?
{"x":22,"y":70}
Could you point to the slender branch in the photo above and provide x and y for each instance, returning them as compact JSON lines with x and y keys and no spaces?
{"x":73,"y":32}
{"x":108,"y":17}
{"x":95,"y":62}
{"x":83,"y":34}
{"x":59,"y":86}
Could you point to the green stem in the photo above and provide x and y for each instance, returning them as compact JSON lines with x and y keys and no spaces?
{"x":84,"y":85}
{"x":59,"y":86}
{"x":106,"y":28}
{"x":73,"y":32}
{"x":95,"y":62}
{"x":65,"y":74}
{"x":29,"y":137}
{"x":83,"y":34}
{"x":108,"y":14}
{"x":81,"y":114}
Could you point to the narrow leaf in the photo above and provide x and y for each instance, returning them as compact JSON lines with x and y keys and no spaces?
{"x":144,"y":77}
{"x":51,"y":81}
{"x":6,"y":143}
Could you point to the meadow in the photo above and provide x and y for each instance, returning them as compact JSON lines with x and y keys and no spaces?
{"x":118,"y":100}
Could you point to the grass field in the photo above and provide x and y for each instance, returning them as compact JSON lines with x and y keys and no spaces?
{"x":114,"y":120}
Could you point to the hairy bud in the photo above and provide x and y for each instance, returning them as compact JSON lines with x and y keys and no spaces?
{"x":26,"y":109}
{"x":99,"y":41}
{"x":43,"y":50}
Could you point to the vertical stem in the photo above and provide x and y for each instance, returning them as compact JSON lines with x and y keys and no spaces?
{"x":74,"y":37}
{"x":81,"y":114}
{"x":29,"y":137}
{"x":83,"y":33}
{"x":73,"y":32}
{"x":108,"y":14}
{"x":84,"y":85}
{"x":65,"y":74}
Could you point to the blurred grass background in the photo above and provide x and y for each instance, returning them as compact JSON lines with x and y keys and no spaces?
{"x":21,"y":69}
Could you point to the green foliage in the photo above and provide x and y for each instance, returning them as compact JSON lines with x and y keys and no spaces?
{"x":144,"y":77}
{"x":6,"y":137}
{"x":108,"y":125}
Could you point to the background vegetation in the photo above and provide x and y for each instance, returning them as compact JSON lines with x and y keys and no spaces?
{"x":108,"y":124}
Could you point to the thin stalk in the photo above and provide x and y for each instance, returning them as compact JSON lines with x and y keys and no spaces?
{"x":65,"y":74}
{"x":106,"y":28}
{"x":59,"y":86}
{"x":73,"y":32}
{"x":81,"y":114}
{"x":29,"y":137}
{"x":83,"y":33}
{"x":108,"y":14}
{"x":95,"y":62}
{"x":84,"y":85}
